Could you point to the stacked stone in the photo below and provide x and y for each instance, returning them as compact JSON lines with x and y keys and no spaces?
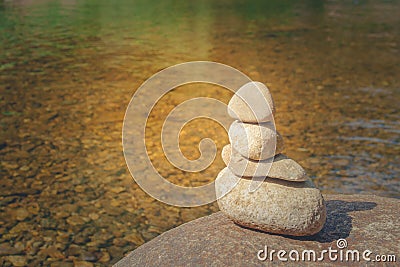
{"x":286,"y":201}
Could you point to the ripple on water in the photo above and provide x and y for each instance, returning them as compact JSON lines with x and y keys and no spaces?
{"x":375,"y":90}
{"x":388,"y":126}
{"x":372,"y":131}
{"x":361,"y":173}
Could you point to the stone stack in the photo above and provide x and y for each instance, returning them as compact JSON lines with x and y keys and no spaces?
{"x":285,"y":200}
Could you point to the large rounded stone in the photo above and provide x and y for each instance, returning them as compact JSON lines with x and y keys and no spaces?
{"x":252,"y":103}
{"x":277,"y":206}
{"x":367,"y":222}
{"x":279,"y":167}
{"x":255,"y":141}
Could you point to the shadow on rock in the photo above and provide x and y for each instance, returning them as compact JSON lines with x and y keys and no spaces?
{"x":338,"y":222}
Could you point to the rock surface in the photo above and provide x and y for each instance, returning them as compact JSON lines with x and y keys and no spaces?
{"x":255,"y":141}
{"x":280,"y":167}
{"x":255,"y":95}
{"x":277,"y":206}
{"x":365,"y":221}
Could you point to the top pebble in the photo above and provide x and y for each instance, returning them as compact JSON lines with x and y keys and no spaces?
{"x":255,"y":95}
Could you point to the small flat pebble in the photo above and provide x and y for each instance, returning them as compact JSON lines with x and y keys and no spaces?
{"x":21,"y":214}
{"x":6,"y":249}
{"x":279,"y":167}
{"x":83,"y":264}
{"x":17,"y":260}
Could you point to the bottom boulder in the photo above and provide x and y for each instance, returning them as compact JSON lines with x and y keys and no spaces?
{"x":277,"y":206}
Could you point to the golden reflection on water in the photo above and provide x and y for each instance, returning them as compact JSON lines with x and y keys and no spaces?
{"x":190,"y":136}
{"x":69,"y":68}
